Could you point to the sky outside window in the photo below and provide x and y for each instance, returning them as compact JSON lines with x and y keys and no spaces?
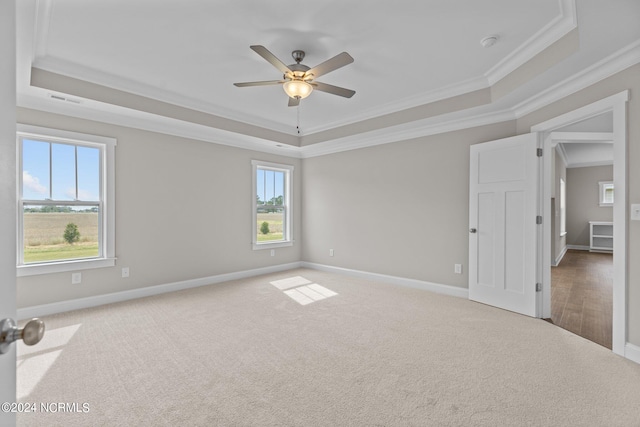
{"x":35,"y":170}
{"x":37,"y":159}
{"x":270,"y":184}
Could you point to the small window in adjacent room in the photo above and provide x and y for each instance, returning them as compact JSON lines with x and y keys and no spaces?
{"x":65,"y":201}
{"x":605,"y":193}
{"x":563,"y":207}
{"x":272,"y":213}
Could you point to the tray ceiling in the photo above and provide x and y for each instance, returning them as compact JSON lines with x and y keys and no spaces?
{"x":176,"y":57}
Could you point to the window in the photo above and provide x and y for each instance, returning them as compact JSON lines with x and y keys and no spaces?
{"x":272,"y":211}
{"x":65,"y":201}
{"x":563,"y":207}
{"x":605,"y":193}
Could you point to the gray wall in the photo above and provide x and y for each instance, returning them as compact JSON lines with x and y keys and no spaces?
{"x":183,"y":211}
{"x":400,"y":209}
{"x":582,"y":201}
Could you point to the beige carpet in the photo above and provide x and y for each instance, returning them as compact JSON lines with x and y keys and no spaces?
{"x":245,"y":353}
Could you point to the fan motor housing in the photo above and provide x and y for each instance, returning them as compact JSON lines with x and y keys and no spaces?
{"x":298,"y":67}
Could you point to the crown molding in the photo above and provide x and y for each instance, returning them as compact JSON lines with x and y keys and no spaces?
{"x":590,"y":164}
{"x":614,"y":63}
{"x":563,"y":154}
{"x":43,"y":19}
{"x":97,"y":111}
{"x":417,"y":129}
{"x":545,"y":37}
{"x":582,"y":137}
{"x":80,"y":72}
{"x":435,"y":95}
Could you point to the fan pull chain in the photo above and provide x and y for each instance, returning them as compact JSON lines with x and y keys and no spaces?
{"x":298,"y":118}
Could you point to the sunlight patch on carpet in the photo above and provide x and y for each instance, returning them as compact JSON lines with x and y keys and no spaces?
{"x":302,"y":290}
{"x":33,"y":362}
{"x":291,"y":282}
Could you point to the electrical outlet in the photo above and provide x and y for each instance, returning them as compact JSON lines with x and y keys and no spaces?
{"x":125,"y":271}
{"x":273,"y":252}
{"x":76,"y":278}
{"x":635,"y":212}
{"x":457,"y":268}
{"x":330,"y":252}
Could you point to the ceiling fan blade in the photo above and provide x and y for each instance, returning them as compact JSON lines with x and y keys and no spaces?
{"x":271,"y":58}
{"x":294,"y":102}
{"x":263,"y":83}
{"x":335,"y":90}
{"x":330,"y":65}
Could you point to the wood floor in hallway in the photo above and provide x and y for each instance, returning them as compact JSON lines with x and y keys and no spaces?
{"x":582,"y":295}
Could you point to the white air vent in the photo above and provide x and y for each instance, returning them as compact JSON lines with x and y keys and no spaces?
{"x":62,"y":98}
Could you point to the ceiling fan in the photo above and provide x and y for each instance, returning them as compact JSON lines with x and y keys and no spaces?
{"x":299,"y":80}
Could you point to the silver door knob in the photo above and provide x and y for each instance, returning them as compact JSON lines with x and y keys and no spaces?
{"x":472,"y":230}
{"x":31,"y":334}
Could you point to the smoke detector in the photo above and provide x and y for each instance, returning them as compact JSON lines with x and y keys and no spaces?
{"x":489,"y":41}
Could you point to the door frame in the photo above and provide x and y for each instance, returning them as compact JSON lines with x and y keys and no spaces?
{"x":8,"y":198}
{"x":617,"y":104}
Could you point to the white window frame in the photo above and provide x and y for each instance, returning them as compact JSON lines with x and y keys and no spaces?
{"x":287,"y":227}
{"x":107,"y":234}
{"x":602,"y":188}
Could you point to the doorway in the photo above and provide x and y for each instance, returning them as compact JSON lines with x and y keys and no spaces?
{"x":581,"y":207}
{"x":616,"y":106}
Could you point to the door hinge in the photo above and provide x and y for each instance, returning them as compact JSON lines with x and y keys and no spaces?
{"x":539,"y":219}
{"x":539,"y":152}
{"x":538,"y":287}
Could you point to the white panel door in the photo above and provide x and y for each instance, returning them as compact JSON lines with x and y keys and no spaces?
{"x":7,"y":199}
{"x":503,"y":196}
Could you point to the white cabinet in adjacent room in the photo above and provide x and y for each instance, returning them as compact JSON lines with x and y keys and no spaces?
{"x":601,"y":239}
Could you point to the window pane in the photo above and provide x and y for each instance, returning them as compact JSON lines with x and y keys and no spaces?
{"x":270,"y":187}
{"x":260,"y":184}
{"x":608,"y":194}
{"x":35,"y":170}
{"x":48,"y":236}
{"x":563,"y":206}
{"x":270,"y":224}
{"x":63,"y":172}
{"x":278,"y":185}
{"x":88,"y":174}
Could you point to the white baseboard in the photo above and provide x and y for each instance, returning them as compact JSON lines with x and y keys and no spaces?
{"x":558,"y":260}
{"x":76,"y":304}
{"x":394,"y":280}
{"x":632,"y":352}
{"x":578,"y":247}
{"x":94,"y":301}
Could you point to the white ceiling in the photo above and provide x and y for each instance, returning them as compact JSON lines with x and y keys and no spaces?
{"x":407,"y":54}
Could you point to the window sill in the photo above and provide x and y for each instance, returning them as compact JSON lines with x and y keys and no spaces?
{"x":63,"y":266}
{"x":273,"y":245}
{"x":606,"y":205}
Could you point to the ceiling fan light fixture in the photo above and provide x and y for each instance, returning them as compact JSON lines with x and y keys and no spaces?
{"x":297,"y":89}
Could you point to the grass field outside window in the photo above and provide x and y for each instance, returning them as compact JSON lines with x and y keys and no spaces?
{"x":44,"y":236}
